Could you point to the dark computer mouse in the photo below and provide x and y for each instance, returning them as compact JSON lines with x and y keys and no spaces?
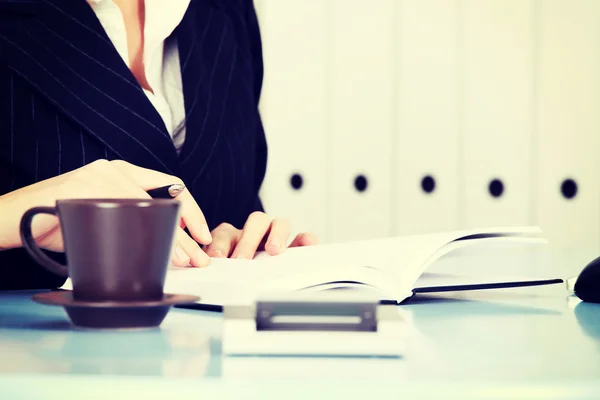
{"x":587,"y":285}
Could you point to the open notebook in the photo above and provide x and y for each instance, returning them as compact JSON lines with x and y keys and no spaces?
{"x":390,"y":268}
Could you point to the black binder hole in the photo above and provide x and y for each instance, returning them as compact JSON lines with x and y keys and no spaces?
{"x":360,"y":183}
{"x":496,"y":188}
{"x":296,"y":181}
{"x":428,"y":184}
{"x":569,"y":189}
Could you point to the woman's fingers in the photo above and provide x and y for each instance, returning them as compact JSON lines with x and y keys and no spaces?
{"x":188,"y":252}
{"x":193,"y":218}
{"x":224,"y":240}
{"x":191,"y":214}
{"x":278,"y":236}
{"x":304,"y":239}
{"x":255,"y":229}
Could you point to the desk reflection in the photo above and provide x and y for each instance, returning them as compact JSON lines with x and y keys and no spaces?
{"x":159,"y":352}
{"x":588,"y":318}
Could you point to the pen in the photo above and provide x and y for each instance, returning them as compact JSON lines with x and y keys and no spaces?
{"x":166,"y":192}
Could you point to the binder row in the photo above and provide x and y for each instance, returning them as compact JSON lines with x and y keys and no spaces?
{"x":400,"y":117}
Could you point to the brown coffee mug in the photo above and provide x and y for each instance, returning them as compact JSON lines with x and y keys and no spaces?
{"x":116,"y":249}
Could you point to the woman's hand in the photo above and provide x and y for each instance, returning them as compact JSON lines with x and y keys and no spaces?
{"x":102,"y":179}
{"x":260,"y":233}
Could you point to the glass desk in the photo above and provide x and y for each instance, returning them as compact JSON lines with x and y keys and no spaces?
{"x":510,"y":343}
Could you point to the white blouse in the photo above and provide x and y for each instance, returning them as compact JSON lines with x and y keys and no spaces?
{"x":161,"y":59}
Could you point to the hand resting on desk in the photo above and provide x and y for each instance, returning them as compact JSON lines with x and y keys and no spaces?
{"x":259,"y":233}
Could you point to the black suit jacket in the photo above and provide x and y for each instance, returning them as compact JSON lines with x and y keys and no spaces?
{"x":67,"y":99}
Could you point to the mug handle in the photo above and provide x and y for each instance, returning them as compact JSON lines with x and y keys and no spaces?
{"x":32,"y":248}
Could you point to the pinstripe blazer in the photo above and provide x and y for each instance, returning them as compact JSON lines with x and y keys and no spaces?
{"x":67,"y":99}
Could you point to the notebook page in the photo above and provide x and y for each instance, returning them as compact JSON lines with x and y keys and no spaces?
{"x":389,"y":264}
{"x":229,"y":281}
{"x":421,"y":264}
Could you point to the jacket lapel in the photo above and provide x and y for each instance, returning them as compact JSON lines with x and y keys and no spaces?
{"x":64,"y":53}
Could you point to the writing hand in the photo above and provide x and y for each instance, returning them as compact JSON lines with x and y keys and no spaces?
{"x":102,"y":179}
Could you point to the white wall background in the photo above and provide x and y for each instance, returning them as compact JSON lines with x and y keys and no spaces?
{"x":463,"y":91}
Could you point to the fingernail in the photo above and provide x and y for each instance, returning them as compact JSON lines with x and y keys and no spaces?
{"x":217,"y":253}
{"x":182,"y":255}
{"x":274,"y":244}
{"x":202,"y":257}
{"x":206,"y":236}
{"x":242,"y":257}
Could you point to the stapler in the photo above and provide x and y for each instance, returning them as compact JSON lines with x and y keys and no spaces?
{"x":286,"y":326}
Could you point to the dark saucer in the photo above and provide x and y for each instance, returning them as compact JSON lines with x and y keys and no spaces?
{"x":112,"y":314}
